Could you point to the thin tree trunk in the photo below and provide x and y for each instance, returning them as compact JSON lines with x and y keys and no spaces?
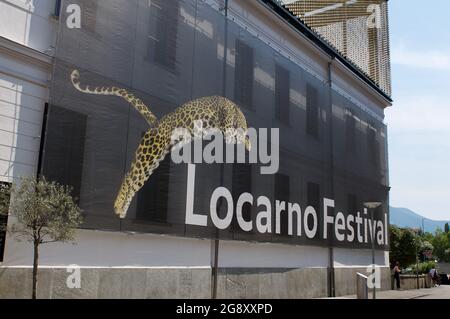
{"x":35,"y":268}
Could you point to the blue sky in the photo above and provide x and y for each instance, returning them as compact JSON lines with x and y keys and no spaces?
{"x":419,"y":121}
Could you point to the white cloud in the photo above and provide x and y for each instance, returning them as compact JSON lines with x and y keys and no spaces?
{"x":432,"y":59}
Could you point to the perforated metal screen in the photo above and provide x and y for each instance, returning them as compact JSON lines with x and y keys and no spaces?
{"x":358,"y":29}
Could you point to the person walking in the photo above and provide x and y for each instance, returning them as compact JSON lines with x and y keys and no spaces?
{"x":397,"y":272}
{"x":434,"y":277}
{"x":432,"y":274}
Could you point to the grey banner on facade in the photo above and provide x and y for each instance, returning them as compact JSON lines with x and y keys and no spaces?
{"x":126,"y":75}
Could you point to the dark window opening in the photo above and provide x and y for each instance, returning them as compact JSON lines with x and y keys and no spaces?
{"x":312,"y":111}
{"x":43,"y":138}
{"x":153,"y":198}
{"x":162,"y":45}
{"x":282,"y":94}
{"x":244,"y":75}
{"x":282,"y":193}
{"x":57,"y":12}
{"x":4,"y":217}
{"x":350,"y":132}
{"x":313,"y":196}
{"x":352,"y":204}
{"x":313,"y":199}
{"x":242,"y":183}
{"x":373,"y":146}
{"x":64,"y":148}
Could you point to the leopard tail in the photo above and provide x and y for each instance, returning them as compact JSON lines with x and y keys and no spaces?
{"x":137,"y":103}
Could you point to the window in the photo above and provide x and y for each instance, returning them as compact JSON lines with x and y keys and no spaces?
{"x":352,"y":204}
{"x":282,"y":189}
{"x":244,"y":77}
{"x":312,"y":111}
{"x":242,"y":183}
{"x":64,"y":148}
{"x":3,"y":222}
{"x":313,"y":198}
{"x":282,"y":92}
{"x":43,"y":138}
{"x":373,"y":146}
{"x":350,"y":132}
{"x":313,"y":195}
{"x":89,"y":20}
{"x":57,"y":8}
{"x":153,"y":198}
{"x":162,"y":45}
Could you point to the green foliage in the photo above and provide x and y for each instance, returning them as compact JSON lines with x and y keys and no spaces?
{"x":404,"y":246}
{"x":425,"y":245}
{"x":424,"y":268}
{"x":44,"y":211}
{"x":446,"y":228}
{"x":404,"y":243}
{"x":441,"y":244}
{"x":425,"y":249}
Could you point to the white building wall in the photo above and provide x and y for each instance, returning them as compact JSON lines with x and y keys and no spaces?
{"x":22,"y":101}
{"x":113,"y":249}
{"x":26,"y":39}
{"x":23,"y":93}
{"x":29,"y":22}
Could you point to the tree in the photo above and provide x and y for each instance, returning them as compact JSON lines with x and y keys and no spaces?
{"x":394,"y":238}
{"x":404,"y":246}
{"x":425,"y":249}
{"x":441,"y":244}
{"x":446,"y":228}
{"x":44,"y":212}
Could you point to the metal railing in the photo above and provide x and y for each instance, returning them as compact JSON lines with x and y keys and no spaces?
{"x":362,"y":290}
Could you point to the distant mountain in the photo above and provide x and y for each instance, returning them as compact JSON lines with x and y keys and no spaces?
{"x":404,"y":217}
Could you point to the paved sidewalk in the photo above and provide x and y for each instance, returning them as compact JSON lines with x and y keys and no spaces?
{"x":442,"y":292}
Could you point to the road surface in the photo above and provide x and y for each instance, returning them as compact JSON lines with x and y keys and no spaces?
{"x":442,"y":292}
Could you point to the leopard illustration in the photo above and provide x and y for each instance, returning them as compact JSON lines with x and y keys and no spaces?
{"x":213,"y":112}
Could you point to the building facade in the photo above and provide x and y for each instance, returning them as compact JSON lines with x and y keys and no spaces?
{"x":306,"y":230}
{"x":28,"y":36}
